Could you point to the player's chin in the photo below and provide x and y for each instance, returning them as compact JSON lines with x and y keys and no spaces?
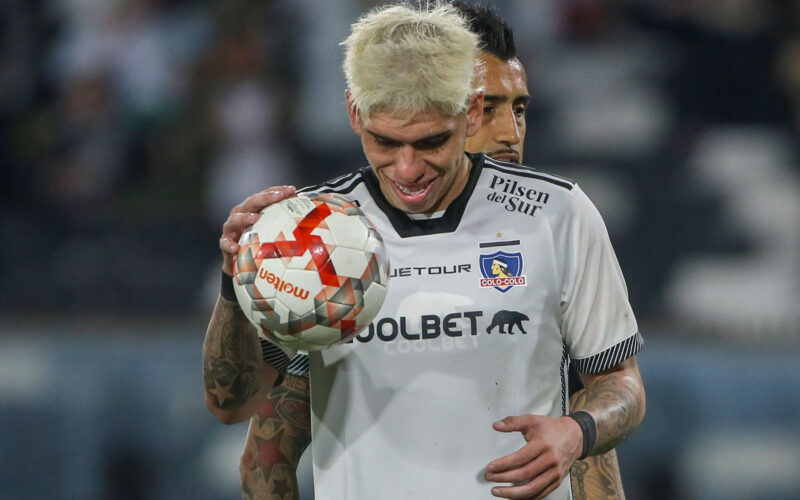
{"x":413,"y":208}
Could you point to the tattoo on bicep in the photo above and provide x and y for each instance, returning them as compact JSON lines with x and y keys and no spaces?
{"x":231,"y":357}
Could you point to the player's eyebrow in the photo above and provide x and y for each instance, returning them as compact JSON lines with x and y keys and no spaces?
{"x":524,"y":98}
{"x":428,"y":141}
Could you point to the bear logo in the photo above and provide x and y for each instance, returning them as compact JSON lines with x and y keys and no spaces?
{"x":510,"y":318}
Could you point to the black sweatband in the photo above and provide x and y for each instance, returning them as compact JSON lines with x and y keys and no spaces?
{"x":226,"y":291}
{"x":589,"y":430}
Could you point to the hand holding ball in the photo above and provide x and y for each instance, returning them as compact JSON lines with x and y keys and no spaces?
{"x":312,"y":272}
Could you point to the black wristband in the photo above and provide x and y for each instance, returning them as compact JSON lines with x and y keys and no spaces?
{"x":226,"y":291}
{"x":589,"y":430}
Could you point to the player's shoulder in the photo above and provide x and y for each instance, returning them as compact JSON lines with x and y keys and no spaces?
{"x":524,"y":173}
{"x":342,"y":185}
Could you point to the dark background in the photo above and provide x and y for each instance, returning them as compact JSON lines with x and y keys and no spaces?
{"x":129,"y":128}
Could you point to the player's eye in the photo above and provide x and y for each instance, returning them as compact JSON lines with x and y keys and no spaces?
{"x":384,"y":142}
{"x":520,"y":110}
{"x":488,"y":109}
{"x":433,"y":142}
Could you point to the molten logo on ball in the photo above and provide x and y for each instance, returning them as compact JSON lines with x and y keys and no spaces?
{"x":281,"y":285}
{"x":311,"y":272}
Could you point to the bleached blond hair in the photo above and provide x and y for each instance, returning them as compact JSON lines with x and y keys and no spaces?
{"x":407,"y":59}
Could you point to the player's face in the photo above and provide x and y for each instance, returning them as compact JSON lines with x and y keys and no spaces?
{"x":505,"y":101}
{"x":419,"y":161}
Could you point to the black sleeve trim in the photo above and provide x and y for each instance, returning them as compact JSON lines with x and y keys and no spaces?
{"x":610,"y":357}
{"x":299,"y":366}
{"x":274,"y":356}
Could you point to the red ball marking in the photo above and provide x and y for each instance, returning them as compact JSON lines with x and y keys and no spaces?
{"x":304,"y":240}
{"x":348,"y":328}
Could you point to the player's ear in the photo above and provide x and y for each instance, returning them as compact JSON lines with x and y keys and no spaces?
{"x":352,"y":113}
{"x":474,"y":113}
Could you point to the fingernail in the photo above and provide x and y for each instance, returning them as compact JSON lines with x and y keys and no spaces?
{"x":496,"y":492}
{"x":490,"y":467}
{"x":500,"y":424}
{"x":233,"y":248}
{"x":252,"y":217}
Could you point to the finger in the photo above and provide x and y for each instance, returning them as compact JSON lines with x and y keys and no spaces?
{"x":514,"y":423}
{"x":515,"y":460}
{"x":534,"y":490}
{"x":524,"y":473}
{"x":227,"y":243}
{"x":258,"y":201}
{"x":237,"y":222}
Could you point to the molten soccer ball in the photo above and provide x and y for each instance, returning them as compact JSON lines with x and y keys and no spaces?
{"x":311,"y":272}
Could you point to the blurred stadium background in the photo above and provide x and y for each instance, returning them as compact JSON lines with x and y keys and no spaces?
{"x":130,"y":127}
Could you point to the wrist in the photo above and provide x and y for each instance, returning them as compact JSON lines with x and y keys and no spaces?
{"x":226,"y":290}
{"x":588,"y":429}
{"x":227,"y":263}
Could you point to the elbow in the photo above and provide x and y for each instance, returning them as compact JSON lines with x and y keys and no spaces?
{"x":643,"y":406}
{"x":638,"y":402}
{"x":225,"y":415}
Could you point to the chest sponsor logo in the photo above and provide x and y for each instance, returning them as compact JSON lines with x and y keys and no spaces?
{"x":432,"y":327}
{"x":516,"y":197}
{"x":502,"y":270}
{"x":401,"y":272}
{"x":510,"y":319}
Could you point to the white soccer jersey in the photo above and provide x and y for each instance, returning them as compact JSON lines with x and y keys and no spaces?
{"x":485,"y":306}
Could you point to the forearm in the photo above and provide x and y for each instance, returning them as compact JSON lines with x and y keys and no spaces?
{"x":595,"y":477}
{"x":280,"y":431}
{"x":235,"y":376}
{"x":616,"y":401}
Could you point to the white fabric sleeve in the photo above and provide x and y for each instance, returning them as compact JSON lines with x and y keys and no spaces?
{"x":598,"y":323}
{"x":276,"y":356}
{"x":299,"y":365}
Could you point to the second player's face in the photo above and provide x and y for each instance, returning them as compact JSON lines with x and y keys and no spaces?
{"x":505,"y":102}
{"x":419,"y":161}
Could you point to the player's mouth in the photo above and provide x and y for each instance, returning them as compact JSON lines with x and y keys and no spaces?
{"x":507,"y":155}
{"x":412,"y":194}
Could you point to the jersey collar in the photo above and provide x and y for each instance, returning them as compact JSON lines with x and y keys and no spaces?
{"x":407,"y":227}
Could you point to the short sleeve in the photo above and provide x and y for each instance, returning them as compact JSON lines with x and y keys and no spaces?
{"x":275,"y":356}
{"x":299,"y":365}
{"x":598,"y":323}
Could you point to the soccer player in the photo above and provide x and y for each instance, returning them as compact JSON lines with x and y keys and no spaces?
{"x":284,"y":418}
{"x":437,"y":408}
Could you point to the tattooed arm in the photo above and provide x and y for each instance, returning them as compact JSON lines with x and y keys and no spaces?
{"x":279,"y":433}
{"x":595,"y":477}
{"x":236,"y":378}
{"x":616,"y":401}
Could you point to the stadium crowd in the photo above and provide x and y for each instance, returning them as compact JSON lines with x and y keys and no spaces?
{"x":128,"y":126}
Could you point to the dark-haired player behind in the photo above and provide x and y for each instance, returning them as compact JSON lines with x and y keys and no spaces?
{"x":281,"y":429}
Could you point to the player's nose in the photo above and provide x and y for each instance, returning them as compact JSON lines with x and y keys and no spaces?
{"x":508,"y":130}
{"x":409,"y":167}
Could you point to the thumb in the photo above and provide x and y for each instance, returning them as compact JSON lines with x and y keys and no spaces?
{"x":508,"y":424}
